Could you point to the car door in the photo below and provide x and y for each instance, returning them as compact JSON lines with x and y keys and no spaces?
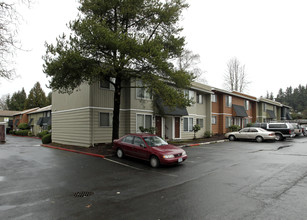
{"x":243,"y":133}
{"x":140,"y":149}
{"x":252,"y":134}
{"x":127,"y":145}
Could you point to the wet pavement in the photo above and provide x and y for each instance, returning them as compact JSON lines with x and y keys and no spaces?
{"x":231,"y":180}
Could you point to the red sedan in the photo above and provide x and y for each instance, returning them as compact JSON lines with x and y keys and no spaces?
{"x":149,"y":147}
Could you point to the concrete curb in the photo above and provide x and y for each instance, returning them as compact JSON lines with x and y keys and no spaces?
{"x":74,"y":151}
{"x":204,"y":143}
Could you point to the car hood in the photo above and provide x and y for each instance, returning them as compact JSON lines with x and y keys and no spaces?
{"x":168,"y":149}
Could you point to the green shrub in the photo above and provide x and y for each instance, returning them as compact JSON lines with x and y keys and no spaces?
{"x":22,"y":132}
{"x":12,"y":132}
{"x":150,"y":130}
{"x":234,"y":128}
{"x":46,"y":139}
{"x":23,"y":126}
{"x":30,"y":134}
{"x":196,"y":128}
{"x":42,"y":134}
{"x":208,"y":134}
{"x":250,"y":125}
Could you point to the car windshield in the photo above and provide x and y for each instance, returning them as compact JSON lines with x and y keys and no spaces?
{"x":154,"y":141}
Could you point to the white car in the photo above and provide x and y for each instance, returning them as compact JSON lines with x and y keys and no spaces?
{"x":251,"y":133}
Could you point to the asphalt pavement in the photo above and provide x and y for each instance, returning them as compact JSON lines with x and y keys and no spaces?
{"x":231,"y":180}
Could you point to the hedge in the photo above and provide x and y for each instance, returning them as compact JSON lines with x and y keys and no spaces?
{"x":22,"y":132}
{"x":42,"y":134}
{"x":46,"y":139}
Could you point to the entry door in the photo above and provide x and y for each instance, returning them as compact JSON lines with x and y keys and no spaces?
{"x":177,"y":127}
{"x":158,"y":126}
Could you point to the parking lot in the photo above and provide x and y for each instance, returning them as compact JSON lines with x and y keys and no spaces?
{"x":231,"y":180}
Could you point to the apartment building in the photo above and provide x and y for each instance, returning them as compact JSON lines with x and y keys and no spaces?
{"x":84,"y":118}
{"x":232,"y":108}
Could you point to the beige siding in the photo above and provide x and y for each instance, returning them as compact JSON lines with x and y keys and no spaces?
{"x":190,"y":135}
{"x":78,"y":99}
{"x":72,"y":127}
{"x":34,"y":127}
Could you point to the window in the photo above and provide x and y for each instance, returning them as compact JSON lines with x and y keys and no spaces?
{"x":213,"y":98}
{"x":105,"y":119}
{"x":141,"y":91}
{"x":144,"y":121}
{"x":253,"y":130}
{"x":200,"y":122}
{"x":189,"y":94}
{"x":138,"y":141}
{"x":128,"y":139}
{"x":104,"y":84}
{"x":264,"y":107}
{"x":228,"y":122}
{"x":246,"y":104}
{"x":199,"y":99}
{"x":228,"y":101}
{"x":188,"y":124}
{"x":213,"y":120}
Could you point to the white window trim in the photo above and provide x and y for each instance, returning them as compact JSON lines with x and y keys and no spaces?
{"x":188,"y":123}
{"x":246,"y":105}
{"x":228,"y":102}
{"x":136,"y":92}
{"x":202,"y":124}
{"x":110,"y":119}
{"x":215,"y":98}
{"x":136,"y":121}
{"x":215,"y":121}
{"x":198,"y":98}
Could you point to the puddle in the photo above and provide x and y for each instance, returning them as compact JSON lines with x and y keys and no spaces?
{"x":281,"y":147}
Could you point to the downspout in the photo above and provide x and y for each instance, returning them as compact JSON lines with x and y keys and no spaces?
{"x":92,"y":115}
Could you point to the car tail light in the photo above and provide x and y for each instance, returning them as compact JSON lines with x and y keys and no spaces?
{"x":271,"y":134}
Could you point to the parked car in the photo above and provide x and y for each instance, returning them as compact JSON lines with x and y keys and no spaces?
{"x":149,"y":147}
{"x":282,"y":130}
{"x":251,"y":133}
{"x":304,"y":129}
{"x":297,"y":129}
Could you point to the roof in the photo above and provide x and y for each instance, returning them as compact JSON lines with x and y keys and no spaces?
{"x":175,"y":111}
{"x":237,"y":94}
{"x":201,"y":87}
{"x":44,"y":109}
{"x":240,"y":111}
{"x":26,"y":111}
{"x":8,"y":113}
{"x":269,"y":101}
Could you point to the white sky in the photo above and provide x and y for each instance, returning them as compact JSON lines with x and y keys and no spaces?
{"x":268,"y":36}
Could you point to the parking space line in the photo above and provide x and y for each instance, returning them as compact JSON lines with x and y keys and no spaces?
{"x":113,"y":161}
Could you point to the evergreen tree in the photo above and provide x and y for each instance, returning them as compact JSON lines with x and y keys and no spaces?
{"x":17,"y":102}
{"x":36,"y":98}
{"x":120,"y":41}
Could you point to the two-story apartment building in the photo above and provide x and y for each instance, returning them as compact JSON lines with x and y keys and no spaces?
{"x":84,"y":118}
{"x":22,"y":117}
{"x":40,"y":119}
{"x":268,"y":110}
{"x":232,"y":108}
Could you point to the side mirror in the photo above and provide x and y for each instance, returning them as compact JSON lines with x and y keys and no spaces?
{"x":143,"y":145}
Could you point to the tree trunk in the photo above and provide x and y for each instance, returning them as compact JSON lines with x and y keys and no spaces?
{"x":116,"y":110}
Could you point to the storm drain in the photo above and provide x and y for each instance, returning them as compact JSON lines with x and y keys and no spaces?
{"x":281,"y":147}
{"x":83,"y":194}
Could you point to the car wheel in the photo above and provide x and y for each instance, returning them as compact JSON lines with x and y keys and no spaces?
{"x":278,"y":137}
{"x":232,"y":138}
{"x":259,"y":139}
{"x":120,"y":153}
{"x":154,"y":162}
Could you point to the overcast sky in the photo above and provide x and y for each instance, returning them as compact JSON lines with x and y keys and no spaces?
{"x":269,"y":37}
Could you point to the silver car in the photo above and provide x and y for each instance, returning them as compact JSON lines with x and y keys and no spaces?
{"x":251,"y":133}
